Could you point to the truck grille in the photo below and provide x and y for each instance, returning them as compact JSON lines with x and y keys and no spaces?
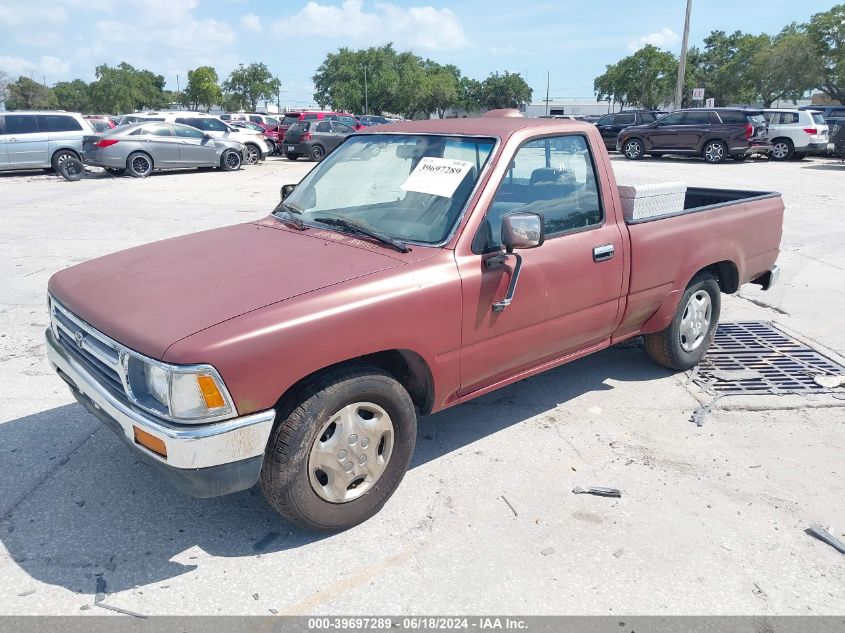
{"x":93,"y":350}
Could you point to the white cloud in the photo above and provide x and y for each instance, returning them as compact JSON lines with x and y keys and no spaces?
{"x":416,"y":27}
{"x":47,"y":65}
{"x":663,"y":38}
{"x":14,"y":15}
{"x":252,"y":22}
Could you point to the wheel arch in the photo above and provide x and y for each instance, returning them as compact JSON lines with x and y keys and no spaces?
{"x":406,"y":366}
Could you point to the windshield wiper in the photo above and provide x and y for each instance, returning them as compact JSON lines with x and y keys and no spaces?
{"x":362,"y":230}
{"x":292,"y":212}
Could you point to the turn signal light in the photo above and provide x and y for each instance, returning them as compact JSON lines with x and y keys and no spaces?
{"x":147,"y":440}
{"x":212,"y":396}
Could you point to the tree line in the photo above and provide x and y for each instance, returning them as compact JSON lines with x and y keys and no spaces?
{"x":124,"y":88}
{"x":380,"y":80}
{"x":738,"y":68}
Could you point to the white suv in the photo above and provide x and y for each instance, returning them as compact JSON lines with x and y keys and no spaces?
{"x":257,"y":147}
{"x":796,"y":133}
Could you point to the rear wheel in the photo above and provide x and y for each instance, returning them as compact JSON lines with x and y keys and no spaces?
{"x":60,"y":157}
{"x":139,"y":165}
{"x":633,"y":149}
{"x":714,"y":152}
{"x":782,"y":149}
{"x":253,"y":154}
{"x":316,"y":154}
{"x":683,"y":344}
{"x":231,"y":160}
{"x":340,"y":449}
{"x":72,"y":169}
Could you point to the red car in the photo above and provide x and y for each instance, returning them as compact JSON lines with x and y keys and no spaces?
{"x":467,"y":254}
{"x":100,"y":123}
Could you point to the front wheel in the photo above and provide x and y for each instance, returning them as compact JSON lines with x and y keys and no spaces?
{"x":683,"y":344}
{"x":714,"y":152}
{"x":633,"y":149}
{"x":340,"y":448}
{"x":231,"y":160}
{"x":253,"y":154}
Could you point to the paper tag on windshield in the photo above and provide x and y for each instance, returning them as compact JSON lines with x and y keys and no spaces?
{"x":437,"y":176}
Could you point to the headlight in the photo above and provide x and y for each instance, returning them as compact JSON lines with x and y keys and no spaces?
{"x":194,"y":393}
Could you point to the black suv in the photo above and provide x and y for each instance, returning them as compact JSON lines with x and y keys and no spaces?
{"x":712,"y":133}
{"x":611,"y":124}
{"x":828,"y":111}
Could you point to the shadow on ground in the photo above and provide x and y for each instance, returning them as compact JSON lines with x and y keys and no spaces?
{"x":100,"y":512}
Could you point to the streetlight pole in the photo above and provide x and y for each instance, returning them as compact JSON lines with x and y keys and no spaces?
{"x":366,"y":96}
{"x":682,"y":65}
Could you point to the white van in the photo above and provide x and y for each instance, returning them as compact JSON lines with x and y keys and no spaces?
{"x":40,"y":139}
{"x":257,"y":147}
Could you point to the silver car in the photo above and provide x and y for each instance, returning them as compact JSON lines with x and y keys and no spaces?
{"x":42,"y":139}
{"x":143,"y":148}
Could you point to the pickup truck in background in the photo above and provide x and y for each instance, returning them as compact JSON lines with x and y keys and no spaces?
{"x":419,"y":265}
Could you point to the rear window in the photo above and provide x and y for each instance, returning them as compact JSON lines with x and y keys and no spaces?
{"x":757,"y":119}
{"x":290,"y":119}
{"x":818,"y":118}
{"x":300,"y":126}
{"x":209,"y":124}
{"x":311,"y":116}
{"x":21,"y":124}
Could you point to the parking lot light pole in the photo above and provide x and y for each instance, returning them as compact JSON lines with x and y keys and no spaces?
{"x":682,"y":64}
{"x":366,"y":97}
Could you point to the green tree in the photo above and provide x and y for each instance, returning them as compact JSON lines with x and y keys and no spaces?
{"x":26,"y":94}
{"x":440,"y":88}
{"x":645,"y":79}
{"x":4,"y":86}
{"x":783,"y":69}
{"x":469,"y":94}
{"x":826,"y":33}
{"x":74,"y":96}
{"x":726,"y":66}
{"x":339,"y":81}
{"x":124,"y":88}
{"x":504,"y":91}
{"x":202,"y":89}
{"x":252,"y":84}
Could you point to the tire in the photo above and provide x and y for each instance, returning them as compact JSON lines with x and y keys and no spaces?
{"x":782,"y":149}
{"x":291,"y":155}
{"x":231,"y":160}
{"x":292,"y":477}
{"x":714,"y":152}
{"x":679,"y":346}
{"x":60,"y":156}
{"x":316,"y":154}
{"x":139,"y":165}
{"x":633,"y":149}
{"x":72,"y":169}
{"x":253,"y":154}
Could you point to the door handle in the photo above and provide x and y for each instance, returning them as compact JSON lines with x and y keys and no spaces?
{"x":13,"y":139}
{"x":603,"y":253}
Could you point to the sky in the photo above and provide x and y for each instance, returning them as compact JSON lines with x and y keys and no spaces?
{"x":60,"y":40}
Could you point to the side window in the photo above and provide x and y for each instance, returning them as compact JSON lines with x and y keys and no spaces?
{"x":255,"y":118}
{"x":789,"y":117}
{"x":553,"y":177}
{"x":57,"y":123}
{"x":187,"y":132}
{"x":697,"y":118}
{"x":672,"y":119}
{"x":21,"y":124}
{"x":647,"y":117}
{"x":159,"y":129}
{"x":340,"y":128}
{"x":772,"y":118}
{"x":837,"y":112}
{"x":732,"y":117}
{"x":310,"y":116}
{"x":624,"y":119}
{"x":324,"y":126}
{"x":607,"y":119}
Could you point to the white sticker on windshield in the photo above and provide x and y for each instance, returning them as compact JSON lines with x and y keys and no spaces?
{"x":437,"y":176}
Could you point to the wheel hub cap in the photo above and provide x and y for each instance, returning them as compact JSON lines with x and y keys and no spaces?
{"x":779,"y":150}
{"x":351,"y":452}
{"x":695,"y":322}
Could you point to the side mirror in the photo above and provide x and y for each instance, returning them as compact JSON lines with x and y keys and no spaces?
{"x":519,"y":231}
{"x":287,"y":190}
{"x":207,"y":136}
{"x":522,"y":230}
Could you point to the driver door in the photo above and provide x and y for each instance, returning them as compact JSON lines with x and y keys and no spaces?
{"x":569,"y":289}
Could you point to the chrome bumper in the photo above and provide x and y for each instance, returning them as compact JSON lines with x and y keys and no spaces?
{"x":769,"y":279}
{"x":188,"y":446}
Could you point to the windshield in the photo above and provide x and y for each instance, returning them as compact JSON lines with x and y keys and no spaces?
{"x":270,"y":120}
{"x":409,"y":187}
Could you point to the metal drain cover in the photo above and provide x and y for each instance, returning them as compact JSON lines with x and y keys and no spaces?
{"x":755,"y":357}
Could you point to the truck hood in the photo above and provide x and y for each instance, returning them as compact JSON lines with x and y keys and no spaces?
{"x":151,"y":296}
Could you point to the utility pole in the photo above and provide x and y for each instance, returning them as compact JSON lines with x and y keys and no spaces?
{"x":366,"y":96}
{"x":682,"y":65}
{"x":548,"y":74}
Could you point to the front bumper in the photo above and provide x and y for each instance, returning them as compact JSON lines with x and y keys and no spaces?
{"x":203,"y":460}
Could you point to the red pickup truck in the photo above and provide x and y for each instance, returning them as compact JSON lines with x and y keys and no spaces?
{"x":420,"y":265}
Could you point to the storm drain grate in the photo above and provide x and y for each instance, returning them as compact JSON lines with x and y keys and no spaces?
{"x":754,"y":357}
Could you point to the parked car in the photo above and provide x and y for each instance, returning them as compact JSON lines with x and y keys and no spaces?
{"x":293,"y":117}
{"x":99,"y":123}
{"x":141,"y":148}
{"x":827,"y":111}
{"x":314,"y":139}
{"x":40,"y":139}
{"x":836,"y":142}
{"x":270,"y":133}
{"x":592,"y":118}
{"x":714,"y":134}
{"x":369,"y":120}
{"x":264,"y":120}
{"x":256,"y":145}
{"x":796,"y":133}
{"x":611,"y":124}
{"x":413,"y":290}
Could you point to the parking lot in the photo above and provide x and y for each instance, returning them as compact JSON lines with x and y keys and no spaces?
{"x":711,"y":518}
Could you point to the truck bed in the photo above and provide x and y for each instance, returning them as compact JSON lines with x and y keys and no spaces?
{"x":703,"y":199}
